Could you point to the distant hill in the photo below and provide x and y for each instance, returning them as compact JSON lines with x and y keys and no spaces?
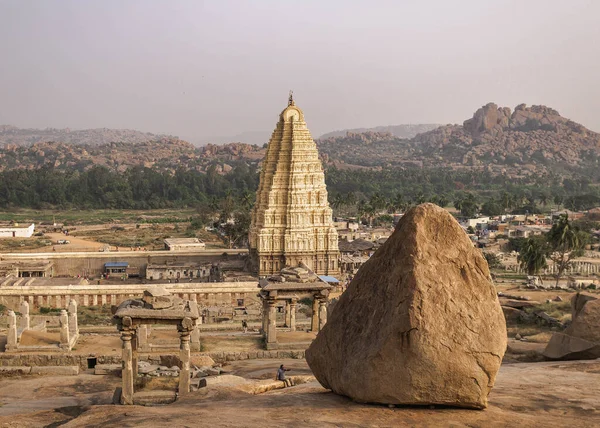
{"x":11,"y":135}
{"x":400,"y":131}
{"x":250,"y":137}
{"x":528,"y":140}
{"x":536,"y":135}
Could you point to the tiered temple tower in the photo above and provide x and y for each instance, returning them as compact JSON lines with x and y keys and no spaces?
{"x":291,"y":220}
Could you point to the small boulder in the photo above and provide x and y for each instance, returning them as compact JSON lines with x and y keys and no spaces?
{"x":420,"y":323}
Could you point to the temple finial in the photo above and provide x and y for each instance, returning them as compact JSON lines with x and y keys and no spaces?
{"x":291,"y":99}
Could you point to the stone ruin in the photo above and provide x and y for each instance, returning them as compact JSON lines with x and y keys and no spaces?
{"x":157,"y":306}
{"x":69,"y":330}
{"x":420,"y":324}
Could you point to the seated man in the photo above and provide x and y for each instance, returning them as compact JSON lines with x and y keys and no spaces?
{"x":281,"y":376}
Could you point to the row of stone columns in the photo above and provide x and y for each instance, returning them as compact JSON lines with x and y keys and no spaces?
{"x":67,"y":322}
{"x":269,"y":322}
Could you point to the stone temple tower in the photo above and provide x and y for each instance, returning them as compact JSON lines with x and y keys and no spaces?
{"x":291,"y":220}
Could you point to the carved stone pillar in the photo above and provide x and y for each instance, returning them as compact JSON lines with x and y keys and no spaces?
{"x":287,"y":314}
{"x":265,"y":317}
{"x":293,"y":315}
{"x":11,"y":342}
{"x":314,"y":325}
{"x":95,"y":300}
{"x":103,"y":299}
{"x":24,"y":315}
{"x":184,"y":355}
{"x":86,"y":300}
{"x":73,"y":317}
{"x":322,"y":313}
{"x":64,"y":329}
{"x":195,"y":339}
{"x":272,"y":327}
{"x":127,"y":370}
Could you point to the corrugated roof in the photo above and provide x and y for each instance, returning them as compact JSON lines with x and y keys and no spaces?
{"x":116,"y":264}
{"x":328,"y":278}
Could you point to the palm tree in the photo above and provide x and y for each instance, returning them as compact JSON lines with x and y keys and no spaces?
{"x":532,"y":257}
{"x":567,"y":242}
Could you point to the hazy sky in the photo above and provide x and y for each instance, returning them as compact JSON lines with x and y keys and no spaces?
{"x":213,"y":68}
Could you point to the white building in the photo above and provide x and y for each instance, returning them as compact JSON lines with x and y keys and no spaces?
{"x":184,"y":244}
{"x":15,"y":231}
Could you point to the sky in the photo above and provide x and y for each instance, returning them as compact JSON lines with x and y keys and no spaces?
{"x":198,"y":69}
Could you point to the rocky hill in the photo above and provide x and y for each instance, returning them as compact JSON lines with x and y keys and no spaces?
{"x":163,"y":154}
{"x":495,"y":135}
{"x":528,"y":139}
{"x":400,"y":131}
{"x":11,"y":135}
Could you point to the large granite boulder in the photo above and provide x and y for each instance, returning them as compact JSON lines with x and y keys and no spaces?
{"x":581,"y":340}
{"x":419,"y":324}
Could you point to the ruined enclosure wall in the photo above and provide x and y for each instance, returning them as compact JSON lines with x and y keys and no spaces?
{"x":224,"y":294}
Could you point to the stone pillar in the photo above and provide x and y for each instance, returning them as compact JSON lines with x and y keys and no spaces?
{"x":40,"y":300}
{"x":272,"y":326}
{"x":67,"y":300}
{"x":86,"y":300}
{"x":30,"y":300}
{"x":293,"y":315}
{"x":134,"y":355}
{"x":314,"y":325}
{"x":58,"y":300}
{"x":142,"y":338}
{"x":64,"y":329}
{"x":113,"y":299}
{"x":184,"y":355}
{"x":127,"y":369}
{"x":11,"y":342}
{"x":24,"y":315}
{"x":95,"y":300}
{"x":322,"y":313}
{"x":265,"y":317}
{"x":287,"y":313}
{"x":195,"y":339}
{"x":193,"y":297}
{"x":103,"y":299}
{"x":73,"y":316}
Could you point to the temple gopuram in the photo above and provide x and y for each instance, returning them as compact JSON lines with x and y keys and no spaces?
{"x":291,"y":221}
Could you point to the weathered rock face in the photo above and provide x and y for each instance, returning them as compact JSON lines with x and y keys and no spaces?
{"x":419,"y":324}
{"x":581,"y":340}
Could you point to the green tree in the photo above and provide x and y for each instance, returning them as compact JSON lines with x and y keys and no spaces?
{"x":532,"y":257}
{"x":567,"y":243}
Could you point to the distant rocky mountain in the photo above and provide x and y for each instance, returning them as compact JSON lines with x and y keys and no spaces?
{"x":251,"y":137}
{"x":400,"y":131}
{"x":497,"y":136}
{"x":11,"y":135}
{"x":527,"y":139}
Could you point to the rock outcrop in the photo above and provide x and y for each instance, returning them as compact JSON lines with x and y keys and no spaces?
{"x":581,"y":340}
{"x":419,"y":324}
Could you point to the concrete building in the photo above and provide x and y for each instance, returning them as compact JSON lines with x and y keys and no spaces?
{"x":184,"y":244}
{"x":14,"y":231}
{"x":291,"y":221}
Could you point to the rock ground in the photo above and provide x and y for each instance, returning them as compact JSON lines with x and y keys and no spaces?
{"x":525,"y":395}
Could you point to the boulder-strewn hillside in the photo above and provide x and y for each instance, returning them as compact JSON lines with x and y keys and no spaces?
{"x":528,"y":135}
{"x":400,"y":131}
{"x":503,"y":141}
{"x":11,"y":135}
{"x":164,"y":154}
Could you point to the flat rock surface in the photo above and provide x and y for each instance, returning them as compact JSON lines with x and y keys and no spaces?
{"x":553,"y":394}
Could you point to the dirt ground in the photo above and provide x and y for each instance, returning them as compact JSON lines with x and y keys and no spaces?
{"x":526,"y":395}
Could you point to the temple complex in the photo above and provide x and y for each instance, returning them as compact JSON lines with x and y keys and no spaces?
{"x":291,"y":220}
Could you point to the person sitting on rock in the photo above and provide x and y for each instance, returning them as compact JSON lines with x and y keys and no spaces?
{"x":281,"y":376}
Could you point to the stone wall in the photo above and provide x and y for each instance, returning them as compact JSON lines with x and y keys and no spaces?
{"x":216,"y":294}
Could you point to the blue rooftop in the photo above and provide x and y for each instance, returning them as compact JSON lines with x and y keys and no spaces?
{"x":116,"y":264}
{"x":328,"y":278}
